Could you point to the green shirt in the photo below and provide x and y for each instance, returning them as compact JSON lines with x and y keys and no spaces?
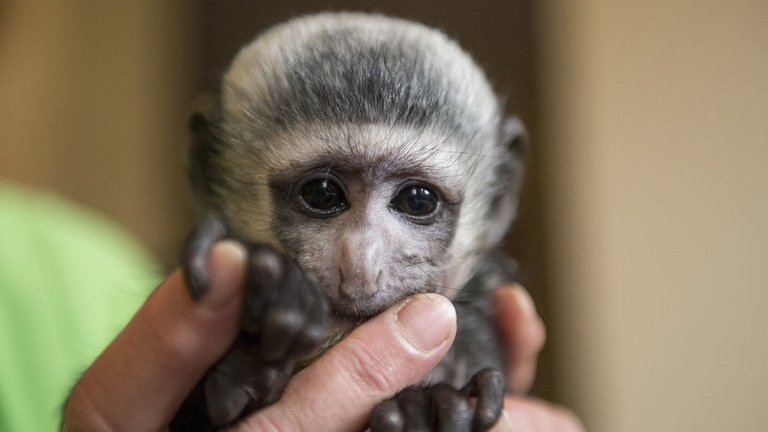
{"x":69,"y":281}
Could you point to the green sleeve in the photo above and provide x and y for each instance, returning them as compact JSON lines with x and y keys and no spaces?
{"x":69,"y":281}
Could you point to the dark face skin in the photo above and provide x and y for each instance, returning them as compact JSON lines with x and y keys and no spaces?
{"x":374,"y":213}
{"x":370,"y":235}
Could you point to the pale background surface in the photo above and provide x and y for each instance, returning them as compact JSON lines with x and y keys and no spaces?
{"x":93,"y":97}
{"x":656,"y":124}
{"x":649,"y":182}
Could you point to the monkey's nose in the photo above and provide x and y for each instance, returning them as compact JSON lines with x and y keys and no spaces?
{"x":359,"y":286}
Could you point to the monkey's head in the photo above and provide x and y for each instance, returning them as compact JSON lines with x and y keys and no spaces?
{"x":370,"y":149}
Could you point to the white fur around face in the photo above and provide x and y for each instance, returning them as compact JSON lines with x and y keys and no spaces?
{"x":357,"y":246}
{"x":429,"y":155}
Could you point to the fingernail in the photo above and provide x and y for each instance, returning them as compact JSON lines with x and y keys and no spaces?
{"x":426,"y":321}
{"x":226,"y":264}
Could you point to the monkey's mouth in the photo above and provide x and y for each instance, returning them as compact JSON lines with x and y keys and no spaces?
{"x":345,"y":316}
{"x":357,"y":311}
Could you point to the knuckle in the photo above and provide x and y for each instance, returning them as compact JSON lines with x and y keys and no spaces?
{"x":487,"y":416}
{"x":168,"y":341}
{"x":387,"y":417}
{"x":285,"y":320}
{"x":570,"y":421}
{"x":366,"y":368}
{"x":533,"y":338}
{"x":446,"y":397}
{"x":311,"y":337}
{"x":264,"y":422}
{"x":490,"y":377}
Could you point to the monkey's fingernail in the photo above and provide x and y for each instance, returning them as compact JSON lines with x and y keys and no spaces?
{"x":226,"y":264}
{"x":426,"y":321}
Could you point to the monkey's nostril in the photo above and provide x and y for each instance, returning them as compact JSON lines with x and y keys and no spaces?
{"x":357,"y":290}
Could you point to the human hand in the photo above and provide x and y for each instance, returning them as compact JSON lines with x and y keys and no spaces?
{"x":522,"y":332}
{"x":140,"y":380}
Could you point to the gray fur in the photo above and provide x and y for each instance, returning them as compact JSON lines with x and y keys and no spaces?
{"x":374,"y":102}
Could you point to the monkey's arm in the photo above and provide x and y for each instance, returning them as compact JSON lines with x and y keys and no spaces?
{"x":283,"y":321}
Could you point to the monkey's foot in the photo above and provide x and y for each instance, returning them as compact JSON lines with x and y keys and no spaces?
{"x":475,"y":407}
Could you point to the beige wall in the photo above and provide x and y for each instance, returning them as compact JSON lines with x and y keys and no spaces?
{"x":654,"y":122}
{"x":93,"y":100}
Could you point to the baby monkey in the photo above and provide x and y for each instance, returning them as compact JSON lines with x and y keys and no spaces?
{"x":360,"y":159}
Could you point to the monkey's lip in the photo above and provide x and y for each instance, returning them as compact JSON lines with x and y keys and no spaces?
{"x":355,"y":314}
{"x":359,"y":311}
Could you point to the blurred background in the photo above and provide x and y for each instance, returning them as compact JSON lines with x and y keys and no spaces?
{"x":643,"y":225}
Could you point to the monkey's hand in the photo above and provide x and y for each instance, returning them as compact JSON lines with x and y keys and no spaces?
{"x":475,"y":407}
{"x":284,"y":320}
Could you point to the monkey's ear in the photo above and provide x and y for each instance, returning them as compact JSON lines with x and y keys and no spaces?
{"x":515,"y":136}
{"x":202,"y":146}
{"x":509,"y":178}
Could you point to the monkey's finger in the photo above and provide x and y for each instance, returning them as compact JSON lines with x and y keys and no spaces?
{"x":391,"y":351}
{"x":142,"y":377}
{"x":488,"y":386}
{"x":282,"y":322}
{"x":409,"y":411}
{"x":452,"y":409}
{"x":196,"y":250}
{"x":534,"y":415}
{"x":290,"y":325}
{"x":316,"y":329}
{"x":387,"y":417}
{"x":265,"y":269}
{"x":522,"y":334}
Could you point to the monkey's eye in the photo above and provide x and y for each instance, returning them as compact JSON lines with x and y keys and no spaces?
{"x":417,"y":201}
{"x":323,"y":197}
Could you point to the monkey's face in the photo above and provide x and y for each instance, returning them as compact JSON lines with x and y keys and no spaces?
{"x":373,"y":220}
{"x":369,"y":149}
{"x":369,"y":241}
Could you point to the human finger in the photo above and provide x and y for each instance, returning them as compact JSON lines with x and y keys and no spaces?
{"x":141,"y":378}
{"x":393,"y":350}
{"x":522,"y":334}
{"x":534,"y":415}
